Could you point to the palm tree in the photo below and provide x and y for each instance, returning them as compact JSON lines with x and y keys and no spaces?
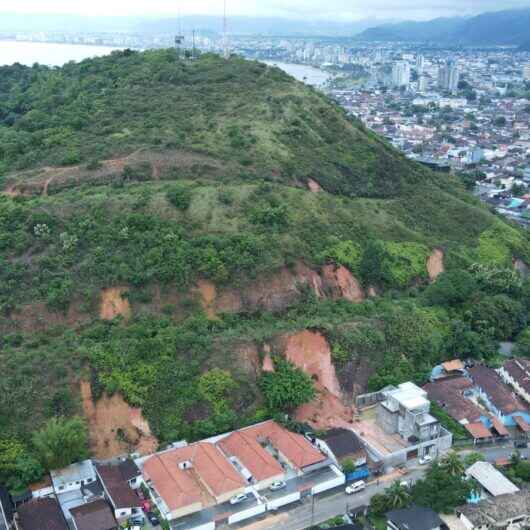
{"x":453,"y":464}
{"x":398,"y":495}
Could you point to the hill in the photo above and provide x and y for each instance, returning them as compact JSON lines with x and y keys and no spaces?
{"x":173,"y":231}
{"x":508,"y":27}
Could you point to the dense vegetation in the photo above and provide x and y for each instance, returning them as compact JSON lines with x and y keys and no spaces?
{"x":211,"y":161}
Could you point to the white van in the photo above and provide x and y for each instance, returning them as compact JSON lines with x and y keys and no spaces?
{"x":355,"y":487}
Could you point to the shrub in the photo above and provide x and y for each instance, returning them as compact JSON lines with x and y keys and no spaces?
{"x":179,"y":196}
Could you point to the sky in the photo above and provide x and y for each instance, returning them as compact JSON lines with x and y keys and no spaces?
{"x":339,"y":10}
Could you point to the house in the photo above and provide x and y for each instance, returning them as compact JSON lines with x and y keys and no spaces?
{"x":40,"y":514}
{"x":491,"y":481}
{"x":496,"y":395}
{"x":115,"y":481}
{"x":501,"y":512}
{"x":479,"y":432}
{"x":516,"y":373}
{"x":7,"y":509}
{"x":96,"y":515}
{"x":73,"y":477}
{"x":451,"y":395}
{"x":405,"y":411}
{"x":342,"y":445}
{"x":195,"y":483}
{"x":414,"y":518}
{"x":130,"y":472}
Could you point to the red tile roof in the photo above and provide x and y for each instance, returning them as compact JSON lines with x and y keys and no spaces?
{"x":519,"y":369}
{"x":498,"y":392}
{"x":292,"y":446}
{"x":521,"y":423}
{"x":121,"y":495}
{"x":448,"y":394}
{"x":261,"y":464}
{"x":499,"y":427}
{"x":41,"y":514}
{"x":478,"y":430}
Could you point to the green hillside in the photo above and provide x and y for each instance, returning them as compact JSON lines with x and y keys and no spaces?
{"x":149,"y":174}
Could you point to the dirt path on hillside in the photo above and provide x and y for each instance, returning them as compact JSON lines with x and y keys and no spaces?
{"x":114,"y":304}
{"x":115,"y":428}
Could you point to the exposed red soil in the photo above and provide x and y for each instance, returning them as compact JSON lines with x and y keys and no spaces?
{"x":435,"y":264}
{"x":341,"y":283}
{"x":326,"y":411}
{"x":268,"y":365}
{"x":111,"y":415}
{"x":113,"y":304}
{"x":314,"y":186}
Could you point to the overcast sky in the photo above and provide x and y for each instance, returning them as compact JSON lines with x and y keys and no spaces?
{"x":331,"y":9}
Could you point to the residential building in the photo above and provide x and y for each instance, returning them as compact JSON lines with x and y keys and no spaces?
{"x":526,"y":72}
{"x":6,"y":509}
{"x":342,"y":445}
{"x":497,"y":396}
{"x":405,"y":411}
{"x":492,"y":482}
{"x":73,"y":477}
{"x":502,"y":512}
{"x":40,"y":514}
{"x":516,"y":373}
{"x":115,"y":481}
{"x":401,"y":74}
{"x":423,"y":83}
{"x":195,"y":483}
{"x":420,"y":64}
{"x":96,"y":515}
{"x":449,"y":76}
{"x":414,"y":518}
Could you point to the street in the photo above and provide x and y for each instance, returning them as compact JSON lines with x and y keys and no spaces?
{"x":316,"y":510}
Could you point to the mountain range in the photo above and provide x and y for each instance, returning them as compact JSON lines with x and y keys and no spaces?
{"x":510,"y":27}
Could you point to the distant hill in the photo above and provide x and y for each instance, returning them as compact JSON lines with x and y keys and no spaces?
{"x":149,"y":25}
{"x":495,"y":28}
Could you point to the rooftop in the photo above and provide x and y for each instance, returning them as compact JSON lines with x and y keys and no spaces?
{"x":343,"y":443}
{"x":409,"y":396}
{"x":478,"y":430}
{"x":497,"y":509}
{"x":519,"y":369}
{"x":95,"y":515}
{"x":73,"y":473}
{"x":493,"y":481}
{"x":415,"y":518}
{"x":41,"y":514}
{"x":448,"y":394}
{"x":498,"y":392}
{"x":121,"y":495}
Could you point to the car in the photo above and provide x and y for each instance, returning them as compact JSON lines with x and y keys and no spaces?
{"x":137,"y":519}
{"x":153,"y":519}
{"x":277,"y":485}
{"x":520,"y":444}
{"x":236,"y":499}
{"x":425,"y":459}
{"x":404,"y":484}
{"x":135,"y":528}
{"x":360,"y":485}
{"x":146,"y":506}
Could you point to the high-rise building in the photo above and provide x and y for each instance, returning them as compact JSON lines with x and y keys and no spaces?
{"x":401,"y":74}
{"x":526,"y":72}
{"x":422,"y":83}
{"x":420,"y":64}
{"x":449,"y":76}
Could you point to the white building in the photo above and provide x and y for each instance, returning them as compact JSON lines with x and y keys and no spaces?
{"x":401,"y":74}
{"x":492,"y":481}
{"x":74,"y":476}
{"x":449,"y":77}
{"x":526,"y":72}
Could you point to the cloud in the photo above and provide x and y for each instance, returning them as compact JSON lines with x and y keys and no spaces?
{"x":329,"y":9}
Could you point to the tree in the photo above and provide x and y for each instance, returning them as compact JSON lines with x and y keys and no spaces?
{"x":453,"y":464}
{"x":440,"y":490}
{"x":216,"y":384}
{"x":61,"y":442}
{"x":179,"y":196}
{"x":451,"y":288}
{"x":379,"y":504}
{"x":473,"y":458}
{"x":18,"y":467}
{"x":398,"y":496}
{"x":500,"y":121}
{"x":287,"y":387}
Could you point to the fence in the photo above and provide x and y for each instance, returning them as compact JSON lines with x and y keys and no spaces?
{"x":366,"y":400}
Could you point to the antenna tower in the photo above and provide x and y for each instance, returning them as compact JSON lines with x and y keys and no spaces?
{"x":226,"y":51}
{"x":179,"y":39}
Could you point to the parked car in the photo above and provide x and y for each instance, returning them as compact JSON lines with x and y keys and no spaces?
{"x":137,"y":519}
{"x":153,"y":519}
{"x":277,"y":485}
{"x":146,"y":506}
{"x":236,"y":499}
{"x":135,"y":528}
{"x":520,"y":444}
{"x":425,"y":459}
{"x":360,"y":485}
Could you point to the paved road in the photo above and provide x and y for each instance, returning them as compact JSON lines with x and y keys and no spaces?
{"x":327,"y":505}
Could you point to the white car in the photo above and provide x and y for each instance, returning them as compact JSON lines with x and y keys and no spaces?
{"x":426,"y":459}
{"x":355,"y":487}
{"x":236,"y":499}
{"x":135,"y":528}
{"x":278,"y":485}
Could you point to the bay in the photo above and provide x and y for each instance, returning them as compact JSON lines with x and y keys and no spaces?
{"x":308,"y":74}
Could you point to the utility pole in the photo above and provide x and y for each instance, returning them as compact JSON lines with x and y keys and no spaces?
{"x":312,"y":510}
{"x":226,"y":51}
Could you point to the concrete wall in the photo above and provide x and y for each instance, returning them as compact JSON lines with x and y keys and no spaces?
{"x":330,"y":484}
{"x":387,"y":420}
{"x":186,"y":510}
{"x":206,"y":526}
{"x":247,"y":514}
{"x":283,"y":501}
